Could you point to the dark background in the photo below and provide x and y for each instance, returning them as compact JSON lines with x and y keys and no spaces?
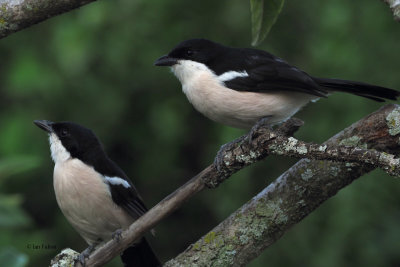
{"x":94,"y":66}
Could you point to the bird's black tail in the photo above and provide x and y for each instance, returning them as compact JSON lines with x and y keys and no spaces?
{"x":373,"y":92}
{"x":140,"y":255}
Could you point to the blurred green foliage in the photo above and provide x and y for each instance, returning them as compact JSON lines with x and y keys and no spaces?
{"x":11,"y":257}
{"x":94,"y":66}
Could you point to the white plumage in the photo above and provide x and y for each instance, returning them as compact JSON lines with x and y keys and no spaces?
{"x":240,"y":109}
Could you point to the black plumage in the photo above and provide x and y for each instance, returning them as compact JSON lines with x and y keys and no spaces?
{"x":266,"y":72}
{"x":83,"y":144}
{"x":105,"y":178}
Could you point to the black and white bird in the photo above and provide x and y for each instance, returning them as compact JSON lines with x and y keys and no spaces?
{"x":94,"y":194}
{"x":240,"y":86}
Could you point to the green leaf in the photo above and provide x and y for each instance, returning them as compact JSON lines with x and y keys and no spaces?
{"x":264,"y":14}
{"x":11,"y":257}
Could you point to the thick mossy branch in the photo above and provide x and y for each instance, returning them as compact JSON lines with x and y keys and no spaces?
{"x":16,"y":15}
{"x":110,"y":249}
{"x":395,"y":7}
{"x":242,"y":152}
{"x":294,"y":195}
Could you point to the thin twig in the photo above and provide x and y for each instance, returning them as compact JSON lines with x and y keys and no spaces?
{"x":242,"y":152}
{"x":294,"y":195}
{"x":112,"y":248}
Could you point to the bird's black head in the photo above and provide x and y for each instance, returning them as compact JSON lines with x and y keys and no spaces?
{"x":199,"y":50}
{"x":70,"y":138}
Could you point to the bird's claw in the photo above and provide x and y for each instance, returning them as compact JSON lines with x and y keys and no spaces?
{"x":85,"y":254}
{"x":82,"y":259}
{"x":117,"y":235}
{"x":219,"y":159}
{"x":262,"y":123}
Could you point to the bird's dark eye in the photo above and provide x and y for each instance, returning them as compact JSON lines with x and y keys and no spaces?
{"x":63,"y":133}
{"x":189,"y":52}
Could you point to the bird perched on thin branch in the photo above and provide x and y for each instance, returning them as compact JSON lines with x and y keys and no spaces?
{"x":241,"y":86}
{"x":94,"y":194}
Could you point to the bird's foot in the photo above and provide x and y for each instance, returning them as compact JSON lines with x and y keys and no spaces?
{"x":260,"y":124}
{"x":85,"y":254}
{"x":117,"y":235}
{"x":219,"y":160}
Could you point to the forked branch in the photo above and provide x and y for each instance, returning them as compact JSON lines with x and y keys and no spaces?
{"x":308,"y":182}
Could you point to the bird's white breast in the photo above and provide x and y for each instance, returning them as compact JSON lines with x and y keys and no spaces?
{"x":86,"y":202}
{"x":241,"y":109}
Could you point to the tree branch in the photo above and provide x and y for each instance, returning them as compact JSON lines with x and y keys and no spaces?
{"x":376,"y":131}
{"x":208,"y":176}
{"x":16,"y":15}
{"x":271,"y":142}
{"x":294,"y":195}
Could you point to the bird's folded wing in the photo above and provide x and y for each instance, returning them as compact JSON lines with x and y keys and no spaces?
{"x":267,"y":73}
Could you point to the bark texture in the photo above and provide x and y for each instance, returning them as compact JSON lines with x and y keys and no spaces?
{"x":290,"y":198}
{"x":210,"y":175}
{"x":16,"y":15}
{"x":295,"y":194}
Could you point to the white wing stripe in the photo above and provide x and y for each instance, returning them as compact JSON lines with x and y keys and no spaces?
{"x":117,"y":181}
{"x":230,"y":75}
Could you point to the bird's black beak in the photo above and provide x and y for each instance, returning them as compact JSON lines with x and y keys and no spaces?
{"x":166,"y":61}
{"x":44,"y":125}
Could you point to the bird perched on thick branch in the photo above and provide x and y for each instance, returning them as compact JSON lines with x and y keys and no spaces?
{"x":94,"y":194}
{"x":241,"y":86}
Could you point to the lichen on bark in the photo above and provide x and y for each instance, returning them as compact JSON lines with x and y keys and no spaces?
{"x":290,"y":198}
{"x":16,"y":15}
